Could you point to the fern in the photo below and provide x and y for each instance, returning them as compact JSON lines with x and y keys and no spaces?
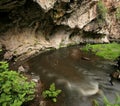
{"x":51,"y":93}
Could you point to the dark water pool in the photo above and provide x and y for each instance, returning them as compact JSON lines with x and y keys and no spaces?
{"x":82,"y":77}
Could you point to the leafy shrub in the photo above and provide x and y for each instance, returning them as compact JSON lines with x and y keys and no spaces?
{"x":52,"y":93}
{"x":108,"y":103}
{"x":102,"y":10}
{"x":3,"y":66}
{"x":14,"y":87}
{"x":118,"y":13}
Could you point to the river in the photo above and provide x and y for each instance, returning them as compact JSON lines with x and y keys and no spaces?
{"x":82,"y":77}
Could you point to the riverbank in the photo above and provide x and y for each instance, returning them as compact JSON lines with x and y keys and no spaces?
{"x":109,"y":51}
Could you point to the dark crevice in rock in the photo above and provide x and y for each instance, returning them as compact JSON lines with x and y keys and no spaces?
{"x":92,"y":34}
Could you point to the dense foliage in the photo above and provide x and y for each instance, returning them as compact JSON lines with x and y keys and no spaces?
{"x":14,"y":87}
{"x":51,"y":93}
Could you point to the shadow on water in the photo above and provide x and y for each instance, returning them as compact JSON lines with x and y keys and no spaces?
{"x":82,"y":77}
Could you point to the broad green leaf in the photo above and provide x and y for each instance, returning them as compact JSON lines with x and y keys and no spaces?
{"x":54,"y":100}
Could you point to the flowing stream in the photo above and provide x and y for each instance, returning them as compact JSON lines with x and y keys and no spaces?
{"x":81,"y":76}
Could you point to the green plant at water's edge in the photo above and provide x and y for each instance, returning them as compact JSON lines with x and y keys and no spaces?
{"x":108,"y":51}
{"x":14,"y":87}
{"x":51,"y":93}
{"x":106,"y":102}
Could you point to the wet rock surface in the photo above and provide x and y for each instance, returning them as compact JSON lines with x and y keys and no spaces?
{"x":115,"y":75}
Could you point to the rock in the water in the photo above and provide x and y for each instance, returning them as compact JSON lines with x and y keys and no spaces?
{"x":115,"y":76}
{"x":35,"y":78}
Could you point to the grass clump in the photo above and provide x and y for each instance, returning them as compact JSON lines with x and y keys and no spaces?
{"x":108,"y":51}
{"x":51,"y":93}
{"x":14,"y":87}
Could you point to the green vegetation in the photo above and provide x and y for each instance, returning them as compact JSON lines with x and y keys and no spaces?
{"x":102,"y":11}
{"x":51,"y":93}
{"x":108,"y":103}
{"x":3,"y":66}
{"x":107,"y":51}
{"x":14,"y":87}
{"x":118,"y":13}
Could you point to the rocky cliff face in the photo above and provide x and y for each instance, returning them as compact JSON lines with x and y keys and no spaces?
{"x":29,"y":26}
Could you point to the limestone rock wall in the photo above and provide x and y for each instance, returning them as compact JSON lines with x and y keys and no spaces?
{"x":30,"y":26}
{"x":81,"y":14}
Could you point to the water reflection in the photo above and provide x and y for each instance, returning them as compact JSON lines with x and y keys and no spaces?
{"x":81,"y":79}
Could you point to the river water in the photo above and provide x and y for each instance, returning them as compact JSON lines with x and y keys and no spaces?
{"x":82,"y":77}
